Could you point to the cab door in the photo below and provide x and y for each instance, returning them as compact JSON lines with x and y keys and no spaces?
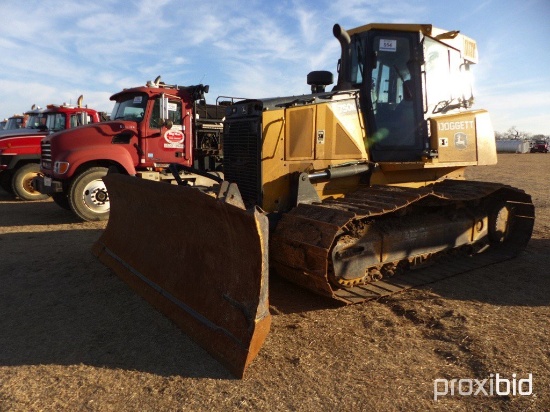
{"x":169,"y":145}
{"x":392,"y":88}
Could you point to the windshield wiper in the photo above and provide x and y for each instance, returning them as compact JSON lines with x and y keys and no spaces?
{"x":445,"y":105}
{"x":441,"y":106}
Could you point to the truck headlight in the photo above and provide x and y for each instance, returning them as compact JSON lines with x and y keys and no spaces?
{"x":61,"y":167}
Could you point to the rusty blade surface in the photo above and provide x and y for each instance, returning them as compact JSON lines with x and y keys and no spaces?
{"x":200,"y":261}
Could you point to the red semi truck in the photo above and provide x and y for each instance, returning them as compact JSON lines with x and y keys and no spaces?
{"x":151,"y":127}
{"x":20,"y":149}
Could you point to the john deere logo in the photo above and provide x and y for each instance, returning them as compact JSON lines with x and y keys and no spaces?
{"x":461,"y":140}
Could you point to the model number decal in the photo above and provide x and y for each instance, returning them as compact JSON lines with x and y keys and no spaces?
{"x":346,"y":107}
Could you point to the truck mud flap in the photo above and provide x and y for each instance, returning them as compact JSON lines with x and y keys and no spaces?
{"x":196,"y":258}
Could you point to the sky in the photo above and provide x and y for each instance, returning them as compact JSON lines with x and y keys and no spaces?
{"x":52,"y":51}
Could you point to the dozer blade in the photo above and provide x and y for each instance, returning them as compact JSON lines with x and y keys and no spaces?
{"x":199,"y":260}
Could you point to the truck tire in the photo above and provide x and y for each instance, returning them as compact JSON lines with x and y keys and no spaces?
{"x":5,"y":181}
{"x":21,"y":182}
{"x":88,"y":195}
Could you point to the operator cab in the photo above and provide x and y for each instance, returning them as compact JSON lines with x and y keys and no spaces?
{"x":406,"y":74}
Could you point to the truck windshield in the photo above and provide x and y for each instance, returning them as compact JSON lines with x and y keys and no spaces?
{"x":33,"y":122}
{"x":55,"y":121}
{"x":130,"y":108}
{"x":14,"y":123}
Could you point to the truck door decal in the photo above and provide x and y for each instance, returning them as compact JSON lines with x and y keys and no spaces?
{"x":174,"y":139}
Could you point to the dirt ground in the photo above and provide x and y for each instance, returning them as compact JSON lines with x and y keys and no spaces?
{"x":75,"y":337}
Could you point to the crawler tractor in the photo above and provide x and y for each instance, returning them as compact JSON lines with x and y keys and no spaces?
{"x":351,"y":193}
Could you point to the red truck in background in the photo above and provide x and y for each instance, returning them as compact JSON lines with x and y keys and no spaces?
{"x":28,"y":120}
{"x":17,"y":121}
{"x":32,"y":119}
{"x":20,"y":149}
{"x":151,"y":127}
{"x":540,"y":146}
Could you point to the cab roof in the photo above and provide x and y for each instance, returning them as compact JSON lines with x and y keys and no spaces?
{"x":453,"y":38}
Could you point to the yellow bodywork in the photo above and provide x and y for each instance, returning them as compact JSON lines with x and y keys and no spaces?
{"x":317,"y":136}
{"x":307,"y":138}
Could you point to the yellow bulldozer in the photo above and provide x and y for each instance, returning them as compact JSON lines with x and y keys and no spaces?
{"x":352,"y":192}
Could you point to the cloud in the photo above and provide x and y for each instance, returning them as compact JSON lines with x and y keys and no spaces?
{"x":505,"y":113}
{"x":253,"y":49}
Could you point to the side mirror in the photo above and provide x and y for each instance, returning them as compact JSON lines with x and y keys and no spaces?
{"x":164,"y":120}
{"x":167,"y":123}
{"x":162,"y":124}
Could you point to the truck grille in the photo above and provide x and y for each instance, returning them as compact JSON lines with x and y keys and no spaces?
{"x":241,"y":151}
{"x":46,"y":149}
{"x":46,"y":155}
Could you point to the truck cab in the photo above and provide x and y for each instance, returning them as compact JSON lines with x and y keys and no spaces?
{"x":32,"y":120}
{"x":157,"y":140}
{"x":151,"y":127}
{"x":416,"y":94}
{"x":17,"y":121}
{"x":20,"y":149}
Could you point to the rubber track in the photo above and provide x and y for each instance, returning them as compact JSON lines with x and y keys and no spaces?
{"x":301,"y":244}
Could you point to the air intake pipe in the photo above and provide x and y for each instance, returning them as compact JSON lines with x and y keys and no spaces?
{"x":344,"y":82}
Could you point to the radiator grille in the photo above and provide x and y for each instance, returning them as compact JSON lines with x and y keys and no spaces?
{"x":241,"y":152}
{"x":46,"y":149}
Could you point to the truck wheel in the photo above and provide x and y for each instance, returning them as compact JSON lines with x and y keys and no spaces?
{"x":61,"y":200}
{"x":88,"y":195}
{"x":21,"y":182}
{"x":5,"y":181}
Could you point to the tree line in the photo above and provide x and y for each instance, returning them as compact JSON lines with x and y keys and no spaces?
{"x":514,"y":134}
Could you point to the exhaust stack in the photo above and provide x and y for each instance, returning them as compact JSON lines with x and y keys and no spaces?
{"x":344,"y":82}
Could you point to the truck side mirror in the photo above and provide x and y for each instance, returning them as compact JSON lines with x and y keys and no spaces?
{"x":164,"y":120}
{"x":164,"y":103}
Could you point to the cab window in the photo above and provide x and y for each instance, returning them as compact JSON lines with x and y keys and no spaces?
{"x":76,"y":119}
{"x":130,"y":108}
{"x":56,"y":122}
{"x":174,"y":113}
